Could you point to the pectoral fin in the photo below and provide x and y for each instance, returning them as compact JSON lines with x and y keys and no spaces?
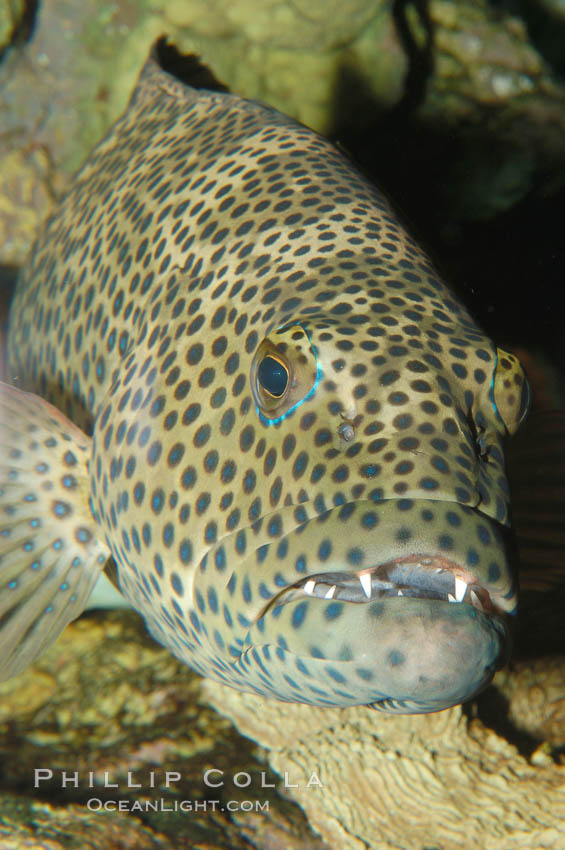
{"x":50,"y":550}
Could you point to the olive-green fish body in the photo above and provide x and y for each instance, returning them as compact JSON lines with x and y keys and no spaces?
{"x":296,"y":451}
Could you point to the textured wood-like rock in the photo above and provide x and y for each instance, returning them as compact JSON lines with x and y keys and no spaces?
{"x":535,"y":691}
{"x":405,"y":782}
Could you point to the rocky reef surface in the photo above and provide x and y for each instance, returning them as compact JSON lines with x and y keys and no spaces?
{"x":107,"y":740}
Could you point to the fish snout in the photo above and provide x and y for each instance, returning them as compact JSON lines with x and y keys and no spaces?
{"x":372,"y":621}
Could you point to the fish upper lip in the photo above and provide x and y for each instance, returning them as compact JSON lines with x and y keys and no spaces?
{"x":413,"y":576}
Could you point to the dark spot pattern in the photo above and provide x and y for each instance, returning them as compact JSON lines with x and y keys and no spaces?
{"x":278,"y":386}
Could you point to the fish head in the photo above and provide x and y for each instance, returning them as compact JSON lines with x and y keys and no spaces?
{"x":406,"y":585}
{"x":345,"y":488}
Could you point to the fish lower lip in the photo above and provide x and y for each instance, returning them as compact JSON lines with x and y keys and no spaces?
{"x":422,"y":577}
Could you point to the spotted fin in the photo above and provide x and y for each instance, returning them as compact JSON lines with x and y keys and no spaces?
{"x":50,"y":556}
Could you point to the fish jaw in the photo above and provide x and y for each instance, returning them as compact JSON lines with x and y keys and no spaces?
{"x":415,"y":635}
{"x":369,"y":622}
{"x":405,"y":656}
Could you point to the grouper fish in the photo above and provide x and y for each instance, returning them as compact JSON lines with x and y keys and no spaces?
{"x":236,"y":377}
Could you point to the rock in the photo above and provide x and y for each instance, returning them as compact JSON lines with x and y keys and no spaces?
{"x":71,"y":828}
{"x":535,"y":693}
{"x":44,"y":108}
{"x":300,"y":25}
{"x":267,"y":50}
{"x":481,"y":76}
{"x":107,"y":45}
{"x":26,"y":200}
{"x":490,"y":82}
{"x":428,"y":781}
{"x":113,"y":712}
{"x":11,"y":15}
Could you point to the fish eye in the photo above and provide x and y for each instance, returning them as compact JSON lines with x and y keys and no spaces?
{"x":510,"y":391}
{"x":273,"y":376}
{"x":525,"y":401}
{"x":284,"y":372}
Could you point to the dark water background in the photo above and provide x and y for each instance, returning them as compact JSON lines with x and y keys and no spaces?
{"x":509,"y":269}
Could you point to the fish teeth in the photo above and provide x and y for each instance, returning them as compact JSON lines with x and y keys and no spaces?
{"x":309,"y":586}
{"x":451,"y":597}
{"x":460,"y":589}
{"x":365,"y":580}
{"x":330,"y":592}
{"x":400,"y":593}
{"x":476,"y":601}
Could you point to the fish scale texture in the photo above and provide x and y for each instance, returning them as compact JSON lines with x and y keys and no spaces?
{"x":282,"y":396}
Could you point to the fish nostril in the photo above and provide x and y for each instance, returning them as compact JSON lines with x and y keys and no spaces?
{"x":346,"y":431}
{"x":478,"y":438}
{"x":482,"y":448}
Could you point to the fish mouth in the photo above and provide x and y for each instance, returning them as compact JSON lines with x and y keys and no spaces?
{"x":417,"y":576}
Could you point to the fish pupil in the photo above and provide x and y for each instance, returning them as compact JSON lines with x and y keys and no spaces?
{"x":273,"y":376}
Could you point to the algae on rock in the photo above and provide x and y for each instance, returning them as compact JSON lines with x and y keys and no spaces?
{"x":115,"y":710}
